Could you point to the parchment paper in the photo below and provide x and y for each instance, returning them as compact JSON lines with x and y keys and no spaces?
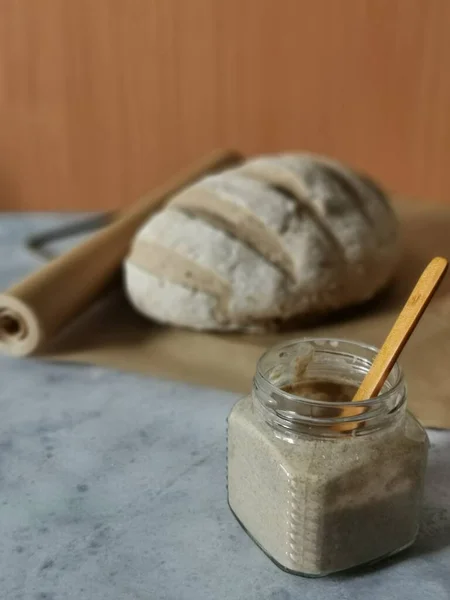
{"x":56,"y":311}
{"x":112,"y":334}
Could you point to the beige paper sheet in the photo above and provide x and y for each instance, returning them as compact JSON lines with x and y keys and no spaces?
{"x":113,"y":335}
{"x":56,"y":311}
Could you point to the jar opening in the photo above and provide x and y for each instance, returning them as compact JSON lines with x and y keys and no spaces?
{"x":328,"y":360}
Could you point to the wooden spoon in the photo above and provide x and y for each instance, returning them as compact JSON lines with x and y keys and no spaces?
{"x":398,"y":336}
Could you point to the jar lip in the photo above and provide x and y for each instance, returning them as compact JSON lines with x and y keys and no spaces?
{"x":396,"y":371}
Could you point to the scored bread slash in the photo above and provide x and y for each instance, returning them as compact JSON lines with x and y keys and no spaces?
{"x":317,"y":234}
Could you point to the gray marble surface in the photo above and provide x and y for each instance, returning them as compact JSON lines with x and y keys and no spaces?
{"x":112,"y":487}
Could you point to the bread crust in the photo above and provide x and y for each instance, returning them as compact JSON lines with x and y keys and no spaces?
{"x":278,"y":237}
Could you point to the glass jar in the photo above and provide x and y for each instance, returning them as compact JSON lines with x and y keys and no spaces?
{"x":325,"y":486}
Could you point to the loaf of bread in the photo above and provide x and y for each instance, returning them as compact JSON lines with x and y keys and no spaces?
{"x":251,"y":247}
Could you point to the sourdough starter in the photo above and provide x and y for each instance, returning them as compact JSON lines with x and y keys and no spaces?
{"x":318,"y":504}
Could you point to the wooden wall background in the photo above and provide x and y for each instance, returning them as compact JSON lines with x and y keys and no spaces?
{"x":102,"y":99}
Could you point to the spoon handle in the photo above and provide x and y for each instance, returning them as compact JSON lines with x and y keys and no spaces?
{"x":402,"y":329}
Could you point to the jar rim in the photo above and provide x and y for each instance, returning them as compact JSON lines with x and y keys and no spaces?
{"x":396,"y":372}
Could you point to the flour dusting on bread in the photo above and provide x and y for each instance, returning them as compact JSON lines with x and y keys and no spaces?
{"x":277,"y":237}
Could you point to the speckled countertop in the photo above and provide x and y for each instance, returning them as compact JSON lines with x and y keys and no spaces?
{"x":112,"y":487}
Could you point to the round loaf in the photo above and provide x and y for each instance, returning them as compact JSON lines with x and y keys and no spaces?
{"x":277,"y":237}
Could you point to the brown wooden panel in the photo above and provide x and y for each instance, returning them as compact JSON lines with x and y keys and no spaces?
{"x":100,"y":100}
